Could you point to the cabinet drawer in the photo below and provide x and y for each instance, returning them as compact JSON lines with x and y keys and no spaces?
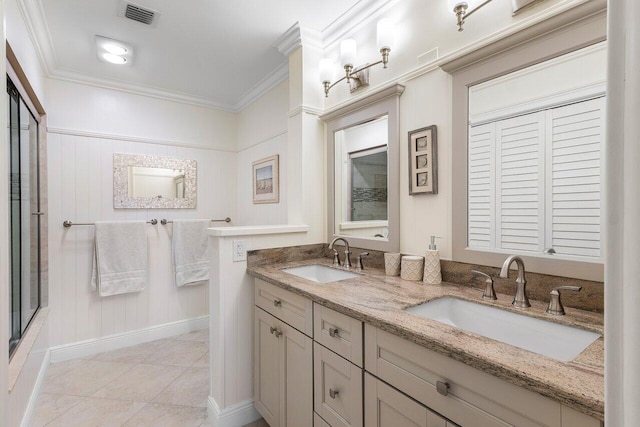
{"x":474,"y":398}
{"x":337,"y":393}
{"x":319,"y":422}
{"x":293,"y":309}
{"x":338,"y":332}
{"x":384,"y":406}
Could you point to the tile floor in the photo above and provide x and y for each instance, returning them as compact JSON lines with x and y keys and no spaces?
{"x":160,"y":383}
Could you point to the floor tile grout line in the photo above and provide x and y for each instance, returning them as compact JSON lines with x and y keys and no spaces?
{"x":59,"y":415}
{"x":135,"y":413}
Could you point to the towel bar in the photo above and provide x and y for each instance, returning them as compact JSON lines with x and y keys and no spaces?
{"x":165,"y":221}
{"x":68,"y":224}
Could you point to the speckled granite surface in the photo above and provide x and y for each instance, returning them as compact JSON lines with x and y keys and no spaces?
{"x":380,"y":301}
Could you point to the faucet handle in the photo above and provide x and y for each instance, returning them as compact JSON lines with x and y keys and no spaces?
{"x":359,"y":265}
{"x":555,"y":304}
{"x":489,"y":292}
{"x":336,"y":258}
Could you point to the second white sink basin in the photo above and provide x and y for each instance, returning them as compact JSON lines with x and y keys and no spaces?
{"x":320,"y":273}
{"x":550,"y":339}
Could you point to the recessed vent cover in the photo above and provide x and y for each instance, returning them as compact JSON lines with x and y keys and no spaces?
{"x":138,"y":13}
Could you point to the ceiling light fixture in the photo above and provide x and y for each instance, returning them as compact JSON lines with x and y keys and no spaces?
{"x":113,"y":51}
{"x":114,"y":59}
{"x":460,"y":9}
{"x":357,"y":77}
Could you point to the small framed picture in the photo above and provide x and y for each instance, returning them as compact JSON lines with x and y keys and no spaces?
{"x":266,"y":180}
{"x":423,"y":161}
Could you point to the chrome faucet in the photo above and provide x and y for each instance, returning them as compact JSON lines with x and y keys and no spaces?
{"x":520,"y":299}
{"x":347,"y":252}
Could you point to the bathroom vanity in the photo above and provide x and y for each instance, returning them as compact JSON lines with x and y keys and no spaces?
{"x":347,"y":353}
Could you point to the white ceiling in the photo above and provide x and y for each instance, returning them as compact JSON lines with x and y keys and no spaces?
{"x":216,"y":50}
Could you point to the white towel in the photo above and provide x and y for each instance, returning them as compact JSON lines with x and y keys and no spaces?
{"x":120,"y":261}
{"x":190,"y":251}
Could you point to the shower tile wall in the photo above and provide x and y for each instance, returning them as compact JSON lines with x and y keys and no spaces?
{"x":81,"y":190}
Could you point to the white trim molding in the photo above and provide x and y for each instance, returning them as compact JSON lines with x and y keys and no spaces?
{"x":118,"y":137}
{"x":297,"y":36}
{"x":30,"y":412}
{"x":114,"y":342}
{"x":272,"y":80}
{"x":234,"y":416}
{"x":255,"y":230}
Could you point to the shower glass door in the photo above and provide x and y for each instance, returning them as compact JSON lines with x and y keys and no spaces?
{"x":24,"y":202}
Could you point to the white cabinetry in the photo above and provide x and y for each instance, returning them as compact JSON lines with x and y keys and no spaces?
{"x":283,"y":366}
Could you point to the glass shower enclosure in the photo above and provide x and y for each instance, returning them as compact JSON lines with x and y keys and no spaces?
{"x":25,"y":215}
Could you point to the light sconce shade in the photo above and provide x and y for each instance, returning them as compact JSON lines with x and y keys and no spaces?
{"x":357,"y":77}
{"x":327,"y":71}
{"x":453,"y":4}
{"x":386,"y":35}
{"x":348,"y":52}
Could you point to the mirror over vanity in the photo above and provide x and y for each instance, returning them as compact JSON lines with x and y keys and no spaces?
{"x":363,"y":171}
{"x":528,"y":143}
{"x":153,"y":182}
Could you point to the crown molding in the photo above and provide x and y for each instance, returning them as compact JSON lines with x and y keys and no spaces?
{"x":358,"y":15}
{"x":296,"y":36}
{"x":38,"y":29}
{"x":139,"y":89}
{"x":394,"y":89}
{"x":272,"y":80}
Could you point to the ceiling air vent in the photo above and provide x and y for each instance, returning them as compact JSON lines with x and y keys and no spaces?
{"x":138,"y":13}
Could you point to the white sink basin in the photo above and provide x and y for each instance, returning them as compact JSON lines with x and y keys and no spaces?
{"x":320,"y":273}
{"x":550,"y":339}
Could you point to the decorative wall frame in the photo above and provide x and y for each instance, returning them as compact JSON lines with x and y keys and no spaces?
{"x":423,"y":161}
{"x":123,"y":198}
{"x":266,"y":180}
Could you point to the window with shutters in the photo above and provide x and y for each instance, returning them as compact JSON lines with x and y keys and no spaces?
{"x":534,"y":182}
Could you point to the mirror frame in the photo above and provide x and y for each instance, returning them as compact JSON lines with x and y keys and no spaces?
{"x":378,"y":104}
{"x":121,"y":199}
{"x":577,"y":28}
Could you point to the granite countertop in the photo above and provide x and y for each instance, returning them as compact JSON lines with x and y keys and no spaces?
{"x":380,"y":300}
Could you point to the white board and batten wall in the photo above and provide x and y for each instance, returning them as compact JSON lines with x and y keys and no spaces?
{"x":81,"y":190}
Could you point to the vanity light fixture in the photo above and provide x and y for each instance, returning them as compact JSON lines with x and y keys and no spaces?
{"x":357,"y":77}
{"x":113,"y":51}
{"x":460,"y":9}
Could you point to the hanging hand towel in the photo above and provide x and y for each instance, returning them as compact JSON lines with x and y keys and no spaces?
{"x":120,"y":261}
{"x":190,"y":253}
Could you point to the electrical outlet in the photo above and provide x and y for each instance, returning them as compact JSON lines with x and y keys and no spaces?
{"x":239,"y":250}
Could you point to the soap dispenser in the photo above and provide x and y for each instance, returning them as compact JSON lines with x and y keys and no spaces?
{"x":432,"y":273}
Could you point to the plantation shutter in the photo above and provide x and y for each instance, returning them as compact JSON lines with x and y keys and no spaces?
{"x":520,"y":183}
{"x":481,"y":192}
{"x":576,"y":135}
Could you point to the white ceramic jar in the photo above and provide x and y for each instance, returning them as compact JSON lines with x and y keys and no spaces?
{"x":412,"y":267}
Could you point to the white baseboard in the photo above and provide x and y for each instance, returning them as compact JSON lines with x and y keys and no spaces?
{"x":114,"y":342}
{"x":237,"y":415}
{"x":29,"y":413}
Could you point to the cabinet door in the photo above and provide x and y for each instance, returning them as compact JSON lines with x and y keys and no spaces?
{"x":384,"y":406}
{"x":266,"y":375}
{"x":296,"y":386}
{"x":337,"y":389}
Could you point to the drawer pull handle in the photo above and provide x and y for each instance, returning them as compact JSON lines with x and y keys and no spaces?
{"x":277,"y":303}
{"x":442,"y":387}
{"x":333,"y":393}
{"x":334,"y":332}
{"x":275,"y":332}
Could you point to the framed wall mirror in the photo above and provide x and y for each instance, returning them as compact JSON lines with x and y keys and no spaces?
{"x":528,"y":139}
{"x":363,"y":172}
{"x":152,"y":182}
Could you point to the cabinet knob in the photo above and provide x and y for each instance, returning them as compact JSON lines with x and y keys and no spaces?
{"x":275,"y":331}
{"x":334,"y":332}
{"x":333,"y":393}
{"x":277,"y":303}
{"x":442,"y":387}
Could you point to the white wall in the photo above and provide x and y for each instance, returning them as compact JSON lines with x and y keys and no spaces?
{"x":81,"y":190}
{"x":262,"y":132}
{"x":82,"y":108}
{"x":427,"y":98}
